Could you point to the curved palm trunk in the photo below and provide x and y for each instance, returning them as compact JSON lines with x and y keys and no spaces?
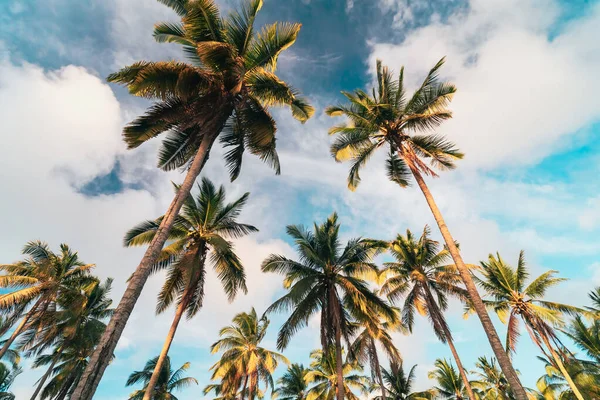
{"x":449,"y":341}
{"x":474,"y":296}
{"x":185,"y":301}
{"x":20,"y":328}
{"x":47,"y":374}
{"x":562,"y":368}
{"x":378,"y":369}
{"x":102,"y":355}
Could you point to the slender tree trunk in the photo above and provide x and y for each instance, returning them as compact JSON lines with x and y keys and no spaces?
{"x":102,"y":355}
{"x":47,"y":374}
{"x":185,"y":301}
{"x":378,"y":369}
{"x":245,"y":386}
{"x":64,"y":391}
{"x":448,"y":336}
{"x":474,"y":296}
{"x":19,"y":329}
{"x":339,"y":363}
{"x":562,"y":368}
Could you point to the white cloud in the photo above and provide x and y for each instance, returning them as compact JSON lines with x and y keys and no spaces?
{"x":521,"y":91}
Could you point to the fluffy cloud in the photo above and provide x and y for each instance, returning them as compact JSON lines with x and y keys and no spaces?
{"x":523,"y":88}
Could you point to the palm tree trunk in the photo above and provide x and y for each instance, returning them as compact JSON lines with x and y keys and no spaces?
{"x":20,"y":328}
{"x":47,"y":374}
{"x":244,"y":388}
{"x":562,"y":368}
{"x":102,"y":355}
{"x":185,"y":301}
{"x":339,"y":363}
{"x":64,"y":391}
{"x":474,"y":296}
{"x":448,"y":336}
{"x":378,"y":369}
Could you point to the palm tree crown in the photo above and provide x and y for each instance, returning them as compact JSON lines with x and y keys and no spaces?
{"x":169,"y":382}
{"x":39,"y":281}
{"x":205,"y":224}
{"x":388,"y":117}
{"x":449,"y":383}
{"x":324,"y":377}
{"x":244,"y":363}
{"x":292,"y":385}
{"x":227,"y":84}
{"x":399,"y":384}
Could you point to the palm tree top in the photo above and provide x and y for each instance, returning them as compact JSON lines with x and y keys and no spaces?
{"x":388,"y":117}
{"x":169,"y":380}
{"x":227,"y":85}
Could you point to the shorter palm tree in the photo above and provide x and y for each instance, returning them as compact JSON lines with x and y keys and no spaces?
{"x":513,"y":300}
{"x":244,"y":362}
{"x":38,"y":281}
{"x":399,"y":384}
{"x":373,"y":331}
{"x":323,"y":375}
{"x":292,"y":385}
{"x":328,"y":278}
{"x":78,"y":325}
{"x":490,"y":382}
{"x":421,"y":274}
{"x":449,"y":383}
{"x":169,"y":381}
{"x":201,"y":230}
{"x":7,"y":377}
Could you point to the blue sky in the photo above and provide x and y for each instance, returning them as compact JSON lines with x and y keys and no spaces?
{"x":526,"y":115}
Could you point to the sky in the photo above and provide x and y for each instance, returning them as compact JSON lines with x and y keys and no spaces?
{"x":526,"y":115}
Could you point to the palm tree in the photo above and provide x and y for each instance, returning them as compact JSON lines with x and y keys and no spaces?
{"x":399,"y":384}
{"x":7,"y":377}
{"x":389,"y":118}
{"x":77,"y":324}
{"x":202,"y":229}
{"x":225,"y":89}
{"x":39,"y":280}
{"x":243,"y":358}
{"x":292,"y":385}
{"x":587,"y":338}
{"x":491,"y":384}
{"x":449,"y":382}
{"x":373,"y":331}
{"x":324,"y":375}
{"x":553,"y":385}
{"x":327,"y":279}
{"x":421,"y":275}
{"x":169,"y":382}
{"x":512,"y":300}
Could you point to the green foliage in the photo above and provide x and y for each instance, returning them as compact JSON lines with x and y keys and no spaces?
{"x":225,"y":87}
{"x":387,"y":118}
{"x":399,"y":384}
{"x":449,"y":383}
{"x":293,"y":384}
{"x":244,"y":364}
{"x":169,"y":380}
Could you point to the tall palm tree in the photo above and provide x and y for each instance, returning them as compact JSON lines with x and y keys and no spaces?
{"x":169,"y":382}
{"x":201,"y":230}
{"x":39,"y":280}
{"x":225,"y":89}
{"x":292,"y":385}
{"x":77,"y":323}
{"x":513,"y":300}
{"x":449,"y":382}
{"x":374,"y":331}
{"x":327,"y":279}
{"x":490,"y":382}
{"x":587,"y":338}
{"x":7,"y":377}
{"x":324,"y":376}
{"x":389,"y":119}
{"x":399,"y":384}
{"x":422,"y":276}
{"x":244,"y":363}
